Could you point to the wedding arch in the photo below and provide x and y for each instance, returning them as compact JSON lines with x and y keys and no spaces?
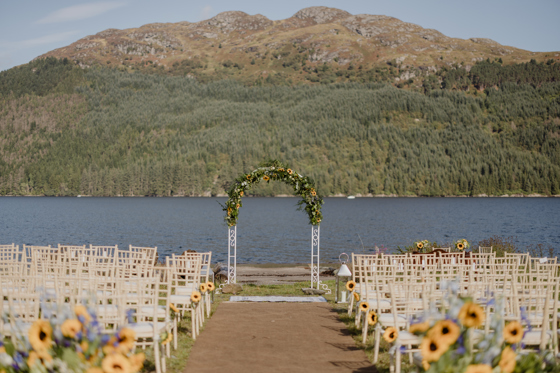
{"x":310,"y":202}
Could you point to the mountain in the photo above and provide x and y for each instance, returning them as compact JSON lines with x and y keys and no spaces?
{"x":252,"y":48}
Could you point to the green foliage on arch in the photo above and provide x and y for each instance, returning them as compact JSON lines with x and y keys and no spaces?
{"x":275,"y":170}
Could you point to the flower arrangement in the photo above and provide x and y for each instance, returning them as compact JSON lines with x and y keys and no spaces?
{"x":70,"y":341}
{"x":462,"y":244}
{"x":274,"y":170}
{"x":423,"y":246}
{"x":452,"y":343}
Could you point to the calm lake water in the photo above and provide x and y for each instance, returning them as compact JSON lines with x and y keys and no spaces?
{"x":272,"y":230}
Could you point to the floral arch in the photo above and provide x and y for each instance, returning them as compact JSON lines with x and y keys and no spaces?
{"x":310,"y":202}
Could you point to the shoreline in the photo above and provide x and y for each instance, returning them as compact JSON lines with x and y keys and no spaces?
{"x":515,"y":195}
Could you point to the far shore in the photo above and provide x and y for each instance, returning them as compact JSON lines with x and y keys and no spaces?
{"x":517,"y":195}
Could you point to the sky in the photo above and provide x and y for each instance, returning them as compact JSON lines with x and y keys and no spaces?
{"x":29,"y":28}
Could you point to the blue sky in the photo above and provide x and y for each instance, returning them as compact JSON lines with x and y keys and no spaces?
{"x":29,"y":28}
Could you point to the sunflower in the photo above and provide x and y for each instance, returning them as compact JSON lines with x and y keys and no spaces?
{"x":127,"y":337}
{"x":420,"y":327}
{"x":84,"y":345}
{"x":196,"y":296}
{"x":173,"y":308}
{"x":350,"y":285}
{"x":432,"y":349}
{"x":40,"y":335}
{"x":237,"y":206}
{"x":241,"y":194}
{"x":94,"y":370}
{"x":318,"y":220}
{"x":479,"y":368}
{"x":364,"y":306}
{"x":356,"y":297}
{"x":391,"y":334}
{"x":313,"y":193}
{"x":471,"y":315}
{"x":372,"y":318}
{"x":116,"y":363}
{"x":137,"y":361}
{"x":460,"y":246}
{"x":210,"y":286}
{"x":419,"y":245}
{"x":80,"y":310}
{"x":70,"y":328}
{"x":290,"y":171}
{"x":507,"y":360}
{"x":425,"y":364}
{"x":445,"y":331}
{"x":280,"y":169}
{"x":266,"y":178}
{"x":513,"y":332}
{"x":38,"y":356}
{"x":248,"y":176}
{"x":167,"y":339}
{"x":203,"y":288}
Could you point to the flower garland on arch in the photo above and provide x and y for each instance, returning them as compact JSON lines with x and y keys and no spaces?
{"x":269,"y":171}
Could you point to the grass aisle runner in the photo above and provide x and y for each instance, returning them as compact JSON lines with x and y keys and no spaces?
{"x":276,"y":337}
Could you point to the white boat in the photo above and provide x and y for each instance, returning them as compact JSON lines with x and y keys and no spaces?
{"x":351,"y":197}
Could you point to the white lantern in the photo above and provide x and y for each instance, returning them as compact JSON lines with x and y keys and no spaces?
{"x":343,"y":272}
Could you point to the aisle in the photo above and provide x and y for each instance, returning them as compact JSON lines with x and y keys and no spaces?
{"x":276,"y":337}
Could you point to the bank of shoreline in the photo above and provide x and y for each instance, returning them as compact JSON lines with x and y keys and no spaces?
{"x":516,"y":195}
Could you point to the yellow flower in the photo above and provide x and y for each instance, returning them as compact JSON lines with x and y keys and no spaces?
{"x":318,"y":220}
{"x":40,"y":335}
{"x":137,"y":362}
{"x":432,"y":349}
{"x":290,"y":171}
{"x":507,"y":360}
{"x":372,"y":318}
{"x":248,"y":176}
{"x":460,"y":246}
{"x":391,"y":334}
{"x":445,"y":331}
{"x":513,"y":332}
{"x":116,"y":363}
{"x":419,"y":245}
{"x":266,"y":178}
{"x":84,"y":345}
{"x":425,"y":365}
{"x":2,"y":351}
{"x":127,"y":337}
{"x":313,"y":193}
{"x":167,"y":339}
{"x":80,"y":310}
{"x":420,"y":327}
{"x":280,"y":169}
{"x":350,"y":285}
{"x":173,"y":308}
{"x":364,"y":306}
{"x":94,"y":370}
{"x":210,"y":286}
{"x":356,"y":296}
{"x":471,"y":315}
{"x":70,"y":328}
{"x":479,"y":368}
{"x":203,"y":288}
{"x":241,"y":194}
{"x":196,"y":296}
{"x":38,"y":356}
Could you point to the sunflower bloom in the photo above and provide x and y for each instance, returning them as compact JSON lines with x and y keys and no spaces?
{"x":419,"y":245}
{"x":350,"y":285}
{"x":196,"y":296}
{"x":237,"y":206}
{"x":115,"y":363}
{"x":266,"y":178}
{"x":391,"y":334}
{"x":94,"y":370}
{"x":356,"y":297}
{"x":137,"y":362}
{"x":173,"y":308}
{"x":248,"y":176}
{"x":446,"y":331}
{"x":80,"y":310}
{"x":460,"y":246}
{"x":40,"y":335}
{"x":127,"y":337}
{"x":167,"y":339}
{"x":479,"y":368}
{"x":420,"y":327}
{"x":507,"y":360}
{"x":372,"y":318}
{"x":241,"y":194}
{"x":203,"y":288}
{"x":471,"y":315}
{"x":313,"y":193}
{"x":38,"y":357}
{"x":425,"y":365}
{"x":513,"y":332}
{"x":432,"y":349}
{"x":364,"y":306}
{"x":210,"y":286}
{"x":290,"y":171}
{"x":70,"y":328}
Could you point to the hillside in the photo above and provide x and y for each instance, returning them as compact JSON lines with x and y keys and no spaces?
{"x":317,"y":44}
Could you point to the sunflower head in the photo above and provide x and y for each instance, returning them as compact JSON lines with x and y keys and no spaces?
{"x":280,"y":169}
{"x":94,"y":370}
{"x":364,"y":306}
{"x":210,"y":285}
{"x":290,"y":171}
{"x":116,"y":363}
{"x":81,"y":310}
{"x":241,"y":194}
{"x":237,"y":206}
{"x":313,"y":193}
{"x":507,"y":360}
{"x":460,"y":246}
{"x":248,"y":176}
{"x":38,"y":357}
{"x":266,"y":178}
{"x":420,"y":327}
{"x":40,"y":335}
{"x":478,"y":368}
{"x":70,"y":328}
{"x":513,"y":332}
{"x":356,"y":296}
{"x":419,"y":245}
{"x":471,"y":315}
{"x":446,"y":331}
{"x":173,"y":308}
{"x":390,"y":334}
{"x":196,"y":296}
{"x":350,"y":285}
{"x":127,"y":337}
{"x":203,"y":288}
{"x":372,"y":318}
{"x":432,"y":349}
